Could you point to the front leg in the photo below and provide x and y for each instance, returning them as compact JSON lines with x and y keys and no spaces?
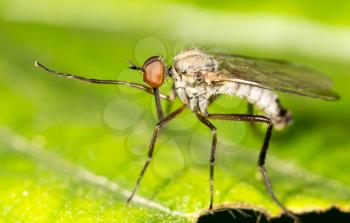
{"x":99,"y":81}
{"x":159,"y":108}
{"x":155,"y":91}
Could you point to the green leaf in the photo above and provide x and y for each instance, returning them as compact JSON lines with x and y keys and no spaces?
{"x":72,"y":152}
{"x":39,"y":186}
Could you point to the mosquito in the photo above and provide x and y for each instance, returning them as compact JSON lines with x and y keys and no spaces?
{"x":199,"y":76}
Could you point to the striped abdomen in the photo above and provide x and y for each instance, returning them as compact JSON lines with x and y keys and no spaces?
{"x":264,"y":99}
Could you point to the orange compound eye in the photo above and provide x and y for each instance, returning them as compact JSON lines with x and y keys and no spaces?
{"x":153,"y":72}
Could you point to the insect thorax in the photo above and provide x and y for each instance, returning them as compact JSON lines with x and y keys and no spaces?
{"x":191,"y":71}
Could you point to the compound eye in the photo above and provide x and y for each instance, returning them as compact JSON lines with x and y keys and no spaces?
{"x":153,"y":72}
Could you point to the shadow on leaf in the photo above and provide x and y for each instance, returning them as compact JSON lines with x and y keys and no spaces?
{"x":253,"y":216}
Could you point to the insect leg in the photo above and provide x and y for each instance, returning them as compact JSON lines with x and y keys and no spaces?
{"x":212,"y":156}
{"x":263,"y":151}
{"x":255,"y":129}
{"x":158,"y":103}
{"x":159,"y":125}
{"x":98,"y":81}
{"x":171,"y":98}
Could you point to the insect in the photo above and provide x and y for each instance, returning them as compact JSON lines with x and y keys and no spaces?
{"x":199,"y":77}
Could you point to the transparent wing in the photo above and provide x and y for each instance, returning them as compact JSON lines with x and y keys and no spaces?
{"x":273,"y":74}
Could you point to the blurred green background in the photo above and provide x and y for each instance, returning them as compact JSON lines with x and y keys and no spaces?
{"x":68,"y":151}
